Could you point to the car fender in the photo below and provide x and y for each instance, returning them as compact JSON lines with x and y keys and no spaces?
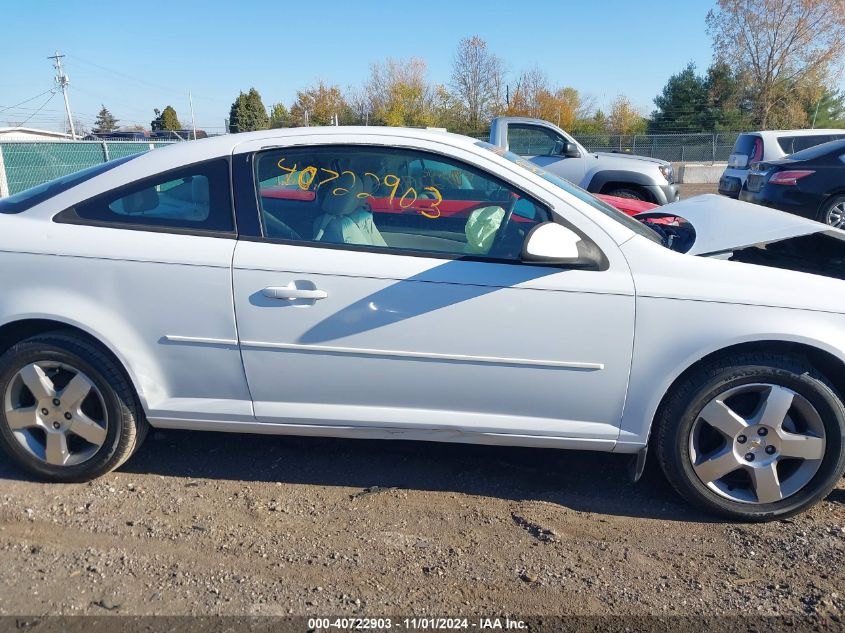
{"x":597,"y":178}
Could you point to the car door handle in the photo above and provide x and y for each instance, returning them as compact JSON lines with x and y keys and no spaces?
{"x":289,"y":292}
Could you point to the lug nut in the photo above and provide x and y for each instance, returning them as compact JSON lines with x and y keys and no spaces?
{"x":56,"y":425}
{"x":44,"y":412}
{"x":762,"y":432}
{"x":742,"y":439}
{"x":56,"y":402}
{"x":749,"y":457}
{"x":771,"y":450}
{"x":68,"y":416}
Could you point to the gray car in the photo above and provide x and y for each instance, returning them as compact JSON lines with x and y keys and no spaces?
{"x":621,"y":175}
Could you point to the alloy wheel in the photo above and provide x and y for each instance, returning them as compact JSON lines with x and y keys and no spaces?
{"x":757,"y":443}
{"x":56,"y":413}
{"x":836,"y":216}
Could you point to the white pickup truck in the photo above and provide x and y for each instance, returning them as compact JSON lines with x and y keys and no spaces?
{"x":620,"y":175}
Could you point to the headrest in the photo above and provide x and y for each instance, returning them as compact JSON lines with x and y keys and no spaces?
{"x":344,"y":203}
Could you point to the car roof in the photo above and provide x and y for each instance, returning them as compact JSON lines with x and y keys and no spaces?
{"x":778,"y":133}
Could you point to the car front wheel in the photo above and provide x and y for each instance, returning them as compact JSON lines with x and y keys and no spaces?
{"x":68,"y":413}
{"x":753,"y":437}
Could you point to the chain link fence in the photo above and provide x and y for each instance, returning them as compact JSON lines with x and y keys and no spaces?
{"x":24,"y":164}
{"x":708,"y":148}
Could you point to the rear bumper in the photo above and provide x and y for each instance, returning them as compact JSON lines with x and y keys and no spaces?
{"x":730,"y":186}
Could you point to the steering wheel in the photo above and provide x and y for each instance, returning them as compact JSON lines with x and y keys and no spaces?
{"x":499,"y":243}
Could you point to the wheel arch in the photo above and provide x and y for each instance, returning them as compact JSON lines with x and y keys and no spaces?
{"x":15,"y":331}
{"x":826,"y":361}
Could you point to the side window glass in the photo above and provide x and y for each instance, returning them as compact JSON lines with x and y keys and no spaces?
{"x":196,"y":197}
{"x":533,"y":140}
{"x":402,"y":200}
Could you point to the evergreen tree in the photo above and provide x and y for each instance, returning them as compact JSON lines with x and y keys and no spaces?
{"x":682,"y":106}
{"x":279,"y":116}
{"x":165,"y":120}
{"x":248,"y":113}
{"x":827,"y":111}
{"x":105,"y":121}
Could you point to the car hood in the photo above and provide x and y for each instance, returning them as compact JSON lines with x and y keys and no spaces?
{"x":722,"y":224}
{"x":628,"y":159}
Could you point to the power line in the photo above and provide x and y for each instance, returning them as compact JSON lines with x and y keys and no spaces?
{"x":4,"y":108}
{"x":37,"y":111}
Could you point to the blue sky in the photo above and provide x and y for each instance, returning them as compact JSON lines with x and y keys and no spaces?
{"x":134,"y":56}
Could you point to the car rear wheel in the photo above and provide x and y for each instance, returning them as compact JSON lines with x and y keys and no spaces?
{"x":753,"y":437}
{"x":833,"y":212}
{"x":68,"y":412}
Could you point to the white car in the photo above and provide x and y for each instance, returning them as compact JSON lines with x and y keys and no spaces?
{"x":396,"y":283}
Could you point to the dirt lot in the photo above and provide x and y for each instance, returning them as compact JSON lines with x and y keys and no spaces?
{"x":202,"y":523}
{"x":688,"y":191}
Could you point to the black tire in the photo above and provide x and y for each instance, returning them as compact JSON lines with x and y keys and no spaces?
{"x":827,"y":207}
{"x":681,"y":408}
{"x":126,"y":427}
{"x":628,"y":192}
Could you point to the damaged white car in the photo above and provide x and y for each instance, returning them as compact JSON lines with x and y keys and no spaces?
{"x":396,"y":283}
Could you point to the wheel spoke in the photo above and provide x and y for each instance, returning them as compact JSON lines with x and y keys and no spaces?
{"x":775,"y":406}
{"x":76,"y":391}
{"x":766,"y":483}
{"x":717,"y":467}
{"x":801,"y":446}
{"x":37,"y":382}
{"x":57,"y":452}
{"x":721,"y":417}
{"x":87,"y":429}
{"x":23,"y":418}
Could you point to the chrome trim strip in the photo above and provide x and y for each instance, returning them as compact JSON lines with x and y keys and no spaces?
{"x":355,"y":351}
{"x":200,"y":340}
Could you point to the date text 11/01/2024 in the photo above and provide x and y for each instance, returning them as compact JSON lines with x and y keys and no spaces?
{"x":415,"y":624}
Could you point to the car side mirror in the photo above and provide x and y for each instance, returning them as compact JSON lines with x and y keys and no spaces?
{"x":570,"y":150}
{"x":552,"y":243}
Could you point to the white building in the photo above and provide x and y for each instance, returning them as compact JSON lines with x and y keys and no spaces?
{"x":31,"y":134}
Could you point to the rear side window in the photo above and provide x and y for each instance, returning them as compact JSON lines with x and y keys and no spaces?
{"x":819,"y":151}
{"x":193,"y":198}
{"x":533,"y":140}
{"x":792,"y":144}
{"x":28,"y":198}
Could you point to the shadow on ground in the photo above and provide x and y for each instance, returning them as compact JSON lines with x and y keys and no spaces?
{"x":582,"y":481}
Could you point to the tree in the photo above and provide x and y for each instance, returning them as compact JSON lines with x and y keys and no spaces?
{"x":399,"y":94}
{"x":477,"y":81}
{"x":624,"y":118}
{"x":828,"y":110}
{"x":248,"y":113}
{"x":319,"y":105}
{"x":682,"y":105}
{"x":781,"y":46}
{"x":279,"y":116}
{"x":105,"y":121}
{"x":165,"y":120}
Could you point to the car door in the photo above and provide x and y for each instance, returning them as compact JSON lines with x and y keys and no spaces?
{"x":385,"y":290}
{"x":544,"y":146}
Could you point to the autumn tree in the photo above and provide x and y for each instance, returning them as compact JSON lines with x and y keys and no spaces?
{"x":399,"y":94}
{"x":105,"y":121}
{"x":318,"y":105}
{"x":534,"y":97}
{"x":782,"y":46}
{"x":248,"y":113}
{"x":477,"y":81}
{"x":624,"y":118}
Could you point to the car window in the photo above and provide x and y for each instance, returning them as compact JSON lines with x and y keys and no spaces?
{"x":25,"y":200}
{"x":792,"y":144}
{"x":749,"y":145}
{"x":193,"y":198}
{"x":383,"y":198}
{"x":819,"y":151}
{"x":534,"y":140}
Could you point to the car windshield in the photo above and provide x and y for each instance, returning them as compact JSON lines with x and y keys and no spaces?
{"x":635,"y":225}
{"x":28,"y":198}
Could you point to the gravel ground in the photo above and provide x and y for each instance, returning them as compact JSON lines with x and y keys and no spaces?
{"x":204,"y":523}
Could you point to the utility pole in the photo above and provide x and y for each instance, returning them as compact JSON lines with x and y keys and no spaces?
{"x":62,"y":81}
{"x":193,"y":121}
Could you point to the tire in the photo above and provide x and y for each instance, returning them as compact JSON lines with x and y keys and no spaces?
{"x":106,"y":424}
{"x":628,"y":192}
{"x":811,"y":407}
{"x":832,"y":212}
